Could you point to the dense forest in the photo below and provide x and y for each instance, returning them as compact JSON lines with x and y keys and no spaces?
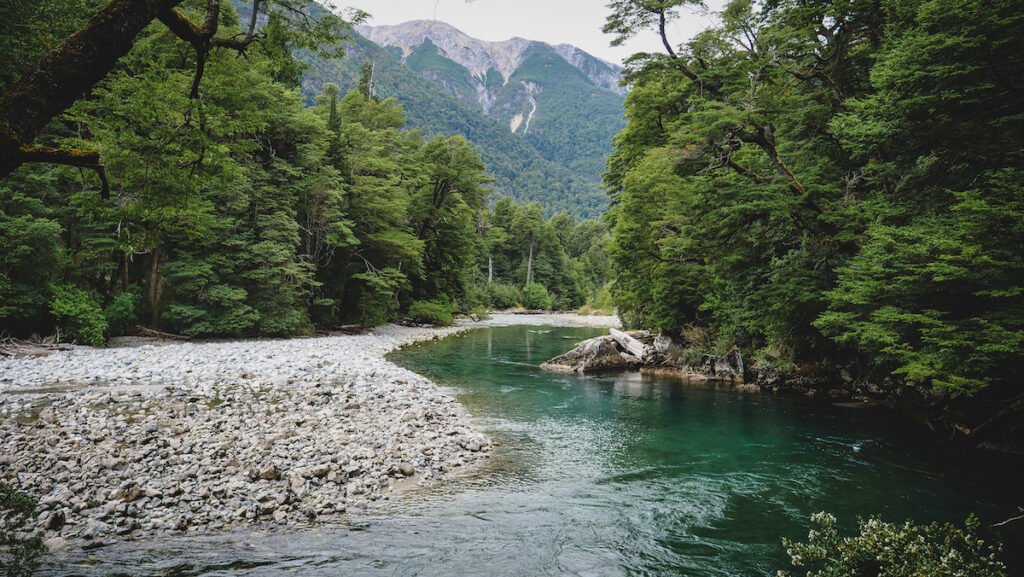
{"x":836,"y":188}
{"x":516,"y":163}
{"x":244,"y":212}
{"x":830,"y":190}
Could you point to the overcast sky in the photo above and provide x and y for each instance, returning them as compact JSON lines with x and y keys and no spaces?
{"x":576,"y":22}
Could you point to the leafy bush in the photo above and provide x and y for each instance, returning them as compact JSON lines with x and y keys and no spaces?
{"x":536,"y":297}
{"x":121,"y":312}
{"x":19,"y":550}
{"x":504,"y":296}
{"x":79,"y":313}
{"x":602,"y":303}
{"x":432,"y":312}
{"x":892,"y":550}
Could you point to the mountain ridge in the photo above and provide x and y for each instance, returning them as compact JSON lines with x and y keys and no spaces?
{"x":541,"y":116}
{"x":520,"y":170}
{"x":480,"y":56}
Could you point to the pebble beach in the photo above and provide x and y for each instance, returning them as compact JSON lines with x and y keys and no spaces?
{"x":156,"y":438}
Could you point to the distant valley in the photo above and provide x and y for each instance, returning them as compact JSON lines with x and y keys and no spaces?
{"x":543,"y":117}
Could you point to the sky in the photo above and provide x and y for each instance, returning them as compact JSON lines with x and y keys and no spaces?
{"x":576,"y":22}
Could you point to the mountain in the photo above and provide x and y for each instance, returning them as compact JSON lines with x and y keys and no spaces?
{"x":565,"y":102}
{"x":542,"y":117}
{"x":519,"y":169}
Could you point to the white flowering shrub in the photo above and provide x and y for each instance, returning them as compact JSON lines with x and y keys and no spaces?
{"x":890,"y":550}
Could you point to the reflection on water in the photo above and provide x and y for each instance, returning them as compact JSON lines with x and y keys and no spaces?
{"x":610,"y":475}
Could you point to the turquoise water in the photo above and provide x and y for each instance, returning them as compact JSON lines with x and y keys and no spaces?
{"x":615,"y":475}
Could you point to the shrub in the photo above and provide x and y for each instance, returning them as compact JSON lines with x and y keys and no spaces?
{"x":121,"y":313}
{"x":19,"y":550}
{"x":432,"y":312}
{"x":892,"y":550}
{"x":79,"y":313}
{"x":536,"y":297}
{"x":504,"y":296}
{"x":601,"y":303}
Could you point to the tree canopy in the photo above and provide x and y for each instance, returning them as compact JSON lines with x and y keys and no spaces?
{"x":832,"y":182}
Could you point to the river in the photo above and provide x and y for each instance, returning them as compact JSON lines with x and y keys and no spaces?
{"x":613,"y":475}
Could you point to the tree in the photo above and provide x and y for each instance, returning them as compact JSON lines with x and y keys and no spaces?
{"x":444,"y":212}
{"x":831,"y":183}
{"x":68,"y":71}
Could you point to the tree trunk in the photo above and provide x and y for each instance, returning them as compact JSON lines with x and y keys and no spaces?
{"x":67,"y":72}
{"x":490,"y":270}
{"x":529,"y":266}
{"x":124,"y":272}
{"x":633,"y":346}
{"x":153,"y":287}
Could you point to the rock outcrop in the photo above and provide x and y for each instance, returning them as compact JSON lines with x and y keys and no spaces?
{"x":641,"y":350}
{"x":597,"y":354}
{"x":480,"y":57}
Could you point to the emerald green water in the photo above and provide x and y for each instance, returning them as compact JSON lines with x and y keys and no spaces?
{"x":614,"y":475}
{"x":632,"y":475}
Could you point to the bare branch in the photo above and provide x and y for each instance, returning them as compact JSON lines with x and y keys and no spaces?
{"x":65,"y":73}
{"x":69,"y":157}
{"x":1010,"y":520}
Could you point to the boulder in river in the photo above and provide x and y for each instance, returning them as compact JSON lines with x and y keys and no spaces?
{"x":597,"y":354}
{"x":642,"y":350}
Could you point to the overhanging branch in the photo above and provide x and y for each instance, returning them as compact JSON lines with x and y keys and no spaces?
{"x":81,"y":158}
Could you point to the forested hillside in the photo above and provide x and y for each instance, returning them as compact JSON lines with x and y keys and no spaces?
{"x":566,"y":103}
{"x":519,"y":169}
{"x":837,"y":188}
{"x":243,"y":211}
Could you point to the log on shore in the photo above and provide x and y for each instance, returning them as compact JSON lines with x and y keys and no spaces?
{"x":629,"y":344}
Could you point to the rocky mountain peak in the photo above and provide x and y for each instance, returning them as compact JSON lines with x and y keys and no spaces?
{"x":480,"y":56}
{"x":477,"y":56}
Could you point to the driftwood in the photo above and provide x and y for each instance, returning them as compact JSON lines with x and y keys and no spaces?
{"x":633,"y":346}
{"x":341,"y":330}
{"x":1010,"y":520}
{"x":16,"y":348}
{"x":154,"y":333}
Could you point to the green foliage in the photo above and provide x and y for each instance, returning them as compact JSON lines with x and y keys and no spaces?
{"x":20,"y":551}
{"x":437,"y":313}
{"x":536,"y":297}
{"x":602,"y":303}
{"x":79,"y":313}
{"x":121,"y":313}
{"x":902,"y":297}
{"x":519,"y":169}
{"x":29,"y":256}
{"x":907,"y":550}
{"x":243,"y":213}
{"x":518,"y":247}
{"x":504,"y":296}
{"x":29,"y":27}
{"x":829,"y":181}
{"x":445,"y":210}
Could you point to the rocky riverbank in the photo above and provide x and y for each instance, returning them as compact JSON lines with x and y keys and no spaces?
{"x":641,"y":350}
{"x":132,"y":442}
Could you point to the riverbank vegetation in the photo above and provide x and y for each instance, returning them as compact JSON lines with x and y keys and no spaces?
{"x":836,"y":188}
{"x":896,"y":550}
{"x":21,"y":547}
{"x":233,"y":209}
